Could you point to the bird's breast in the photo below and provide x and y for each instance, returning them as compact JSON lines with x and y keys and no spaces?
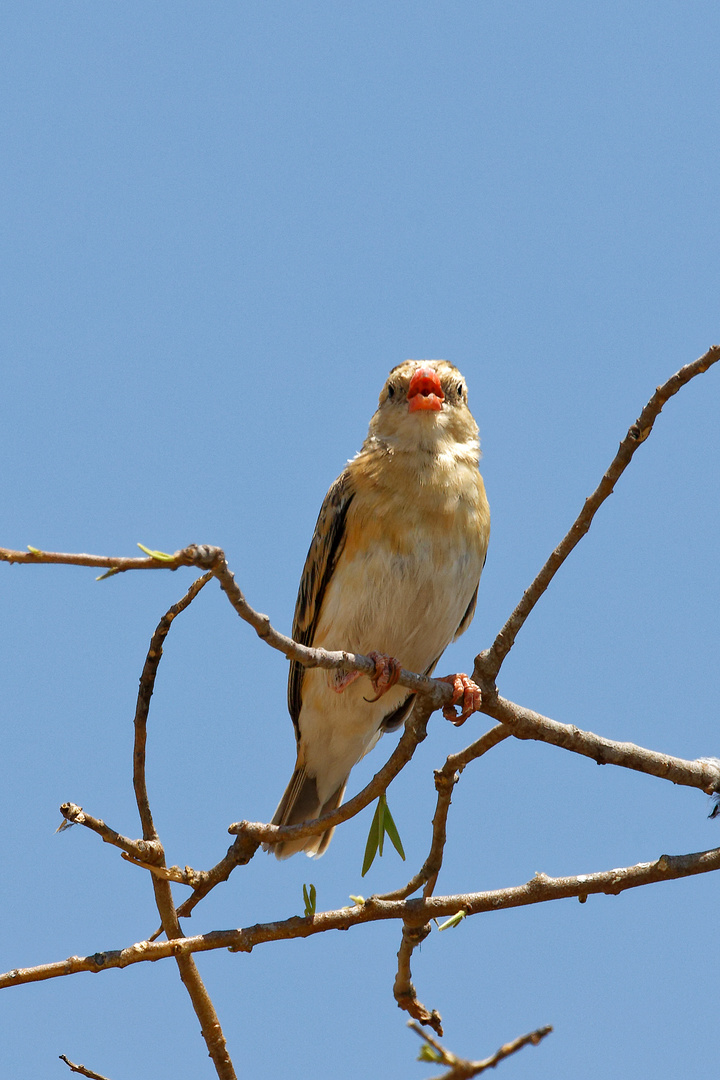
{"x":413,"y":552}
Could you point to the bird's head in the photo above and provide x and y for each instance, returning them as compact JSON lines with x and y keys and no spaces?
{"x":424,"y":404}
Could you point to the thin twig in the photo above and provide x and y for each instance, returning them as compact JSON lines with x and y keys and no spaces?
{"x":460,"y":1068}
{"x":202,"y":1004}
{"x":147,"y":685}
{"x":704,"y":773}
{"x":141,"y":850}
{"x":207,"y":557}
{"x":403,"y":989}
{"x":488,"y":663}
{"x":119,"y":563}
{"x":419,"y":911}
{"x":81,"y":1069}
{"x":414,"y":733}
{"x":239,"y":853}
{"x":175,"y":874}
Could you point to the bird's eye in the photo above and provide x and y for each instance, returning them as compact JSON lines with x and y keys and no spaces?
{"x":391,"y":390}
{"x":460,"y":389}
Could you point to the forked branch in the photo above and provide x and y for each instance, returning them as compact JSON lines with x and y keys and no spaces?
{"x":460,"y":1068}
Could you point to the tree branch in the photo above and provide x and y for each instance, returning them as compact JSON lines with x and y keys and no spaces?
{"x":147,"y":685}
{"x":118,"y":563}
{"x":81,"y":1069}
{"x":207,"y":557}
{"x":204,"y":1009}
{"x":142,"y":850}
{"x":460,"y":1069}
{"x":488,"y":663}
{"x":539,"y":890}
{"x":704,"y":773}
{"x":403,"y":989}
{"x":414,"y":733}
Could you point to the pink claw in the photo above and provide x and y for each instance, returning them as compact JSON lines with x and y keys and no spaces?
{"x":340,"y":680}
{"x":387,"y":673}
{"x":466,"y":693}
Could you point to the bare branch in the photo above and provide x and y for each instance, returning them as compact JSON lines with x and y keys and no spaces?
{"x":81,"y":1069}
{"x":488,"y":663}
{"x":460,"y":1069}
{"x":119,"y":563}
{"x":403,"y":989}
{"x":439,"y":694}
{"x":204,"y":1009}
{"x":147,"y":685}
{"x":141,"y":850}
{"x":704,"y":773}
{"x":176,"y":874}
{"x":238,"y":854}
{"x":417,"y":912}
{"x":207,"y":557}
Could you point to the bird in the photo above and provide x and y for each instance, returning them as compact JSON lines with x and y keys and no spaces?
{"x":392,"y":572}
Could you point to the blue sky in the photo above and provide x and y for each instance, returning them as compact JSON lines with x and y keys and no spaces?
{"x":222,"y":225}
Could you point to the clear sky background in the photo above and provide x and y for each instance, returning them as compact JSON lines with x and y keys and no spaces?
{"x":222,"y":224}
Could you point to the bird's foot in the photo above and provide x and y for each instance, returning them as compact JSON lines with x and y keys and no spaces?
{"x":387,"y":673}
{"x":466,"y":694}
{"x":340,"y":680}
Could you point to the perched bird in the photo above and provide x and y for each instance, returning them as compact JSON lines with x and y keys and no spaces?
{"x":392,"y":572}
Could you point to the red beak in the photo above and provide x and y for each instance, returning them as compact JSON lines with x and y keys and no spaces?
{"x":425,"y":391}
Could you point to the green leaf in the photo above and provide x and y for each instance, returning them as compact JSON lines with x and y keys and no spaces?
{"x":382,"y":823}
{"x":381,"y":808}
{"x":357,"y":900}
{"x":454,"y":920}
{"x":429,"y":1053}
{"x":310,"y":898}
{"x":161,"y":556}
{"x":372,"y":842}
{"x":391,"y":830}
{"x":34,"y":551}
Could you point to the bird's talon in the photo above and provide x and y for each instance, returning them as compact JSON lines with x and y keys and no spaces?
{"x":387,"y":673}
{"x":466,"y":694}
{"x":339,"y":680}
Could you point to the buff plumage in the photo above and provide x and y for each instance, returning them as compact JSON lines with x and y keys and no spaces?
{"x":393,"y":568}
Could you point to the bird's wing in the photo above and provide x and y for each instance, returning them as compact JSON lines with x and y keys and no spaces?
{"x":325,"y":549}
{"x":467,"y":617}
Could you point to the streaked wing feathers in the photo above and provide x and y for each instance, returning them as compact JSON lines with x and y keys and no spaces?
{"x":325,"y":549}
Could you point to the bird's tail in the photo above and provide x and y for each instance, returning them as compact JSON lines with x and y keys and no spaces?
{"x":300,"y":803}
